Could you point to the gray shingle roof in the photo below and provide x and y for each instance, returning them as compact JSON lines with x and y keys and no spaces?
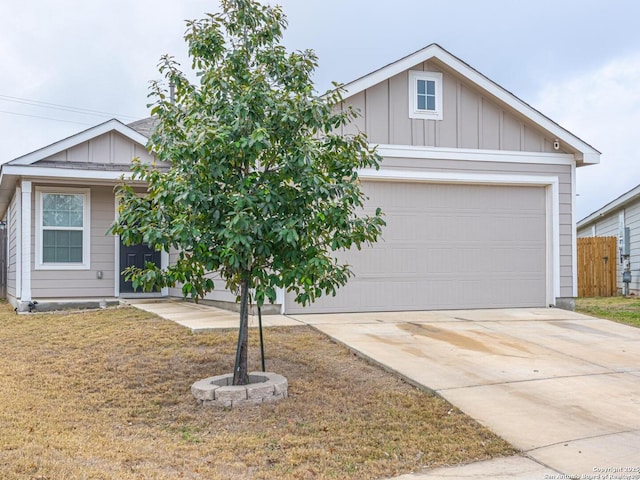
{"x":145,"y":126}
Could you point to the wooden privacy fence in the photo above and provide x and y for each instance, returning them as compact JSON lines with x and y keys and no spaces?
{"x":597,"y":267}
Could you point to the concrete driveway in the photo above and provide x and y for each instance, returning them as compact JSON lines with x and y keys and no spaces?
{"x":562,"y":387}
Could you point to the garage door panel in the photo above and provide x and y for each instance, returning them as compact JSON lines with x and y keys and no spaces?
{"x":522,"y":261}
{"x":399,"y":226}
{"x":435,"y":260}
{"x":404,"y":260}
{"x":447,"y":247}
{"x":368,"y":260}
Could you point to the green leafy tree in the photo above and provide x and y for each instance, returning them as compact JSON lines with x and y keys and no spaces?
{"x":261,"y":188}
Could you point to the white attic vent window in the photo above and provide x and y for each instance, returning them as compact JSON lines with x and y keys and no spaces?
{"x":425,"y":95}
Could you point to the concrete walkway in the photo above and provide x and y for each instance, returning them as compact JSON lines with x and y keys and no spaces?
{"x":562,"y":387}
{"x":203,"y":318}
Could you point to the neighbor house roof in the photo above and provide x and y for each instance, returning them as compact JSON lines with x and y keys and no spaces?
{"x":620,"y":202}
{"x":584,"y":152}
{"x":144,"y":126}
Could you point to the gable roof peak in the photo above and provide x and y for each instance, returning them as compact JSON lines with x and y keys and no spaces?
{"x":366,"y":81}
{"x":77,"y":139}
{"x":585,"y":153}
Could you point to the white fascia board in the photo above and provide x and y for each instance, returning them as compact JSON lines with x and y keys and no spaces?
{"x":400,"y":175}
{"x":610,"y":207}
{"x":590,"y":158}
{"x":19,"y":238}
{"x":93,"y":132}
{"x":553,"y":219}
{"x":589,"y":154}
{"x":389,"y":71}
{"x":62,"y":173}
{"x":436,"y":153}
{"x":25,"y":295}
{"x":574,"y":234}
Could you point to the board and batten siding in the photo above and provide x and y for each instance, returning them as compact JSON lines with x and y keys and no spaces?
{"x":82,"y":283}
{"x":109,"y":148}
{"x":471,"y":120}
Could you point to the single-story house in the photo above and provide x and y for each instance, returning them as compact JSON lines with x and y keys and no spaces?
{"x":619,"y":218}
{"x":477,"y":187}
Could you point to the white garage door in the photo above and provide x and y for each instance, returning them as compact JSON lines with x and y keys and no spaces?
{"x":447,"y":247}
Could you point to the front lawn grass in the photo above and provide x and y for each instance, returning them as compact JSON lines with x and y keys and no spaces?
{"x":619,"y":309}
{"x":106,"y":395}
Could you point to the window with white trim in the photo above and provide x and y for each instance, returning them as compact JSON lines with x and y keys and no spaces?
{"x":62,"y":228}
{"x":425,"y":95}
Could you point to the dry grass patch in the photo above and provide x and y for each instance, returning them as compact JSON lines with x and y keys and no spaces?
{"x":106,"y":395}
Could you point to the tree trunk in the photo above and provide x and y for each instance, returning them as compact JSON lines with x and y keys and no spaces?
{"x":240,"y":370}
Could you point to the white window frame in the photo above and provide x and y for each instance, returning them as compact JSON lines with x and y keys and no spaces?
{"x":414,"y":111}
{"x":86,"y":229}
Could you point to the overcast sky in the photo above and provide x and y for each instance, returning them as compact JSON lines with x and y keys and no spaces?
{"x":577,"y":61}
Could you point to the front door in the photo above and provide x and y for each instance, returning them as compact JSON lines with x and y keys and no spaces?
{"x":136,"y":255}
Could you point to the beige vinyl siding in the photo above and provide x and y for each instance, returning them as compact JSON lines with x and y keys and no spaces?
{"x":82,"y":283}
{"x":471,"y":119}
{"x":12,"y":249}
{"x":219,"y":293}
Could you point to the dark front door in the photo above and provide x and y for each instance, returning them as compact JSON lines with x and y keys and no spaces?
{"x":136,"y":255}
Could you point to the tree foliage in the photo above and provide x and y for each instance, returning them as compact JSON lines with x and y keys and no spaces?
{"x":262,"y":187}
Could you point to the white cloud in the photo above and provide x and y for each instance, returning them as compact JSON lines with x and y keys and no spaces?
{"x":601,"y":106}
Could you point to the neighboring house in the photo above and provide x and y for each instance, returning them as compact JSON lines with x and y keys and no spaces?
{"x":477,"y":188}
{"x":611,"y":221}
